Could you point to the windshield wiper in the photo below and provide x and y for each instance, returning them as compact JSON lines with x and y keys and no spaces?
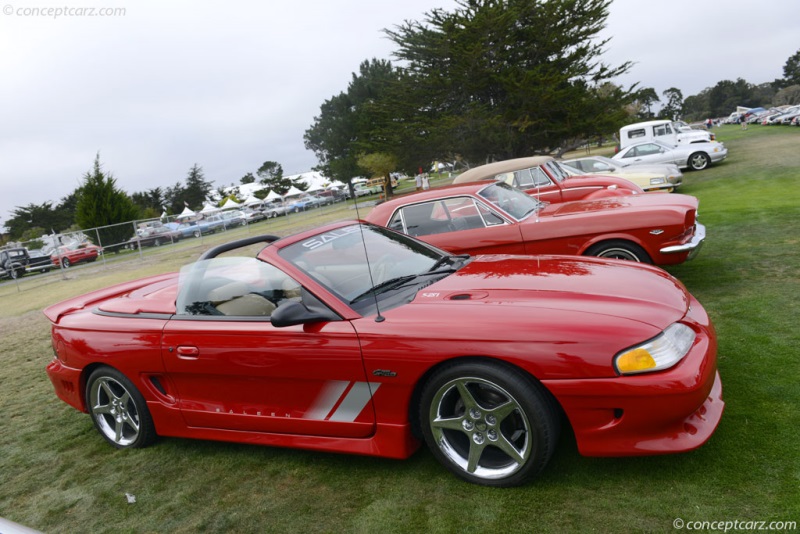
{"x":451,"y":258}
{"x":385,"y":286}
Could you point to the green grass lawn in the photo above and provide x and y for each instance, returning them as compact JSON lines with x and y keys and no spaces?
{"x":58,"y":475}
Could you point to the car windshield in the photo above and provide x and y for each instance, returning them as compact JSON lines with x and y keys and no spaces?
{"x":514,"y":202}
{"x":362,"y":264}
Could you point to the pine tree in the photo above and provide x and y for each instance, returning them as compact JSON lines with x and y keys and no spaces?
{"x":102,"y":205}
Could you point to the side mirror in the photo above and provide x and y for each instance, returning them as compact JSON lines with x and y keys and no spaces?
{"x":292,"y":313}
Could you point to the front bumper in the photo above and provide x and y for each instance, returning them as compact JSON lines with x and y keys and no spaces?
{"x":692,"y":246}
{"x":672,"y":411}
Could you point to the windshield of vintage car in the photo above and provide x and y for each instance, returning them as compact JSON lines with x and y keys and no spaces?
{"x":358,"y":262}
{"x":557,"y":170}
{"x":511,"y":200}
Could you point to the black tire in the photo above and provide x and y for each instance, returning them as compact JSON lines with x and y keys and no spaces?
{"x":66,"y":263}
{"x":16,"y":273}
{"x":118,"y":410}
{"x":699,"y":161}
{"x":197,"y":233}
{"x":489,"y":424}
{"x":157,"y":243}
{"x":619,"y":250}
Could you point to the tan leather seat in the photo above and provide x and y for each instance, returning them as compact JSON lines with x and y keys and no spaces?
{"x":249,"y":305}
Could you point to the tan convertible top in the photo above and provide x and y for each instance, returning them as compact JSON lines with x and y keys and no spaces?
{"x":491,"y":170}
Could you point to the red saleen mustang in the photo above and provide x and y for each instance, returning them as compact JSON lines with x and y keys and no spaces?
{"x":496,"y":218}
{"x":314,"y":345}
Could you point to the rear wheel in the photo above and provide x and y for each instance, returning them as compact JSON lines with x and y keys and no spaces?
{"x":619,"y":250}
{"x":488,"y":424}
{"x":196,"y":233}
{"x":699,"y":161}
{"x":118,"y":410}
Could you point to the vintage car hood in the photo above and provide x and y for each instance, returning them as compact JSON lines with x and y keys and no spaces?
{"x":604,"y":180}
{"x":682,"y":202}
{"x":583,"y":285}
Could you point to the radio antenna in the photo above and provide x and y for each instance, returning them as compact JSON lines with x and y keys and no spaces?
{"x":380,"y":318}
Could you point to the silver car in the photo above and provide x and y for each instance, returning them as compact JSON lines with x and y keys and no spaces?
{"x":669,"y":172}
{"x":695,"y":156}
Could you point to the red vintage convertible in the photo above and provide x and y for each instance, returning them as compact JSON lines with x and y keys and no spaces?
{"x":544,"y":178}
{"x":496,"y":218}
{"x":356,"y":339}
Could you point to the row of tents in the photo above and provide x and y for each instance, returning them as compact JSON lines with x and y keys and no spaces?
{"x":251,"y":200}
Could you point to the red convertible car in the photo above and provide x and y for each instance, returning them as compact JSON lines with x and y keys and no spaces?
{"x":544,"y":178}
{"x":75,"y":253}
{"x":495,"y":218}
{"x":315,"y":344}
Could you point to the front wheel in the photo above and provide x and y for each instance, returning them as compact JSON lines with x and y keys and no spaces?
{"x":489,"y":424}
{"x":118,"y":410}
{"x":619,"y":250}
{"x":699,"y":161}
{"x":66,"y":263}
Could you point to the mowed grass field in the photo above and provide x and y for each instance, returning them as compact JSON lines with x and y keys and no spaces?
{"x":58,"y":475}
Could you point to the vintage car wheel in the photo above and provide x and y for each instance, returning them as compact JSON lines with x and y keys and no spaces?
{"x":15,"y":273}
{"x":699,"y":161}
{"x":488,"y":424}
{"x":66,"y":263}
{"x":197,"y":233}
{"x":619,"y":250}
{"x":157,"y":243}
{"x":118,"y":410}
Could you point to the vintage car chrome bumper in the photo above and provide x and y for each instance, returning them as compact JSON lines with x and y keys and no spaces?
{"x":693,"y":246}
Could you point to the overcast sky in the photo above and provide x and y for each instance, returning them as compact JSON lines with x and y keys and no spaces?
{"x":163,"y":85}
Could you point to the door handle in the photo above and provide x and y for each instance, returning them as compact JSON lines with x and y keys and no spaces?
{"x":188,"y":352}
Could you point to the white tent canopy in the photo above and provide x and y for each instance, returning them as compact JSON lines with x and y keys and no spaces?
{"x":230,"y":204}
{"x":186,"y":213}
{"x":293,"y":191}
{"x":252,"y":200}
{"x":209,"y":208}
{"x":272,"y":195}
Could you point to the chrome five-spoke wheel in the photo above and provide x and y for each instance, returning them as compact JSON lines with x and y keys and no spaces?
{"x":489,"y":424}
{"x":118,"y":410}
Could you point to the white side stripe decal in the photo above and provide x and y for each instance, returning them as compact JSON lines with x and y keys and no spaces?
{"x":330,"y":394}
{"x":354,"y":401}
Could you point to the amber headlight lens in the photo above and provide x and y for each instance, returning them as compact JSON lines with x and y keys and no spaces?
{"x":659,"y":353}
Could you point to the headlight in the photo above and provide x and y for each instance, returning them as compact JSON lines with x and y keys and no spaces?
{"x":662,"y":352}
{"x":656,"y":181}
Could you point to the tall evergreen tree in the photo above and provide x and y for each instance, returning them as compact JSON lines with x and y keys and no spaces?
{"x":673,"y":109}
{"x":346,"y":124}
{"x":197,"y":188}
{"x":102,"y":205}
{"x":497,"y":79}
{"x":271,"y":174}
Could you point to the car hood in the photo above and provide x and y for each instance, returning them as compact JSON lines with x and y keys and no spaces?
{"x":672,"y":201}
{"x":612,"y":288}
{"x":599,"y":179}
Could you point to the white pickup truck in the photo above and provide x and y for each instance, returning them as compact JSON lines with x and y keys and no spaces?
{"x":661,"y":130}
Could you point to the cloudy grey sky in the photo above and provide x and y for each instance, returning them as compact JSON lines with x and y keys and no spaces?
{"x":160,"y":86}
